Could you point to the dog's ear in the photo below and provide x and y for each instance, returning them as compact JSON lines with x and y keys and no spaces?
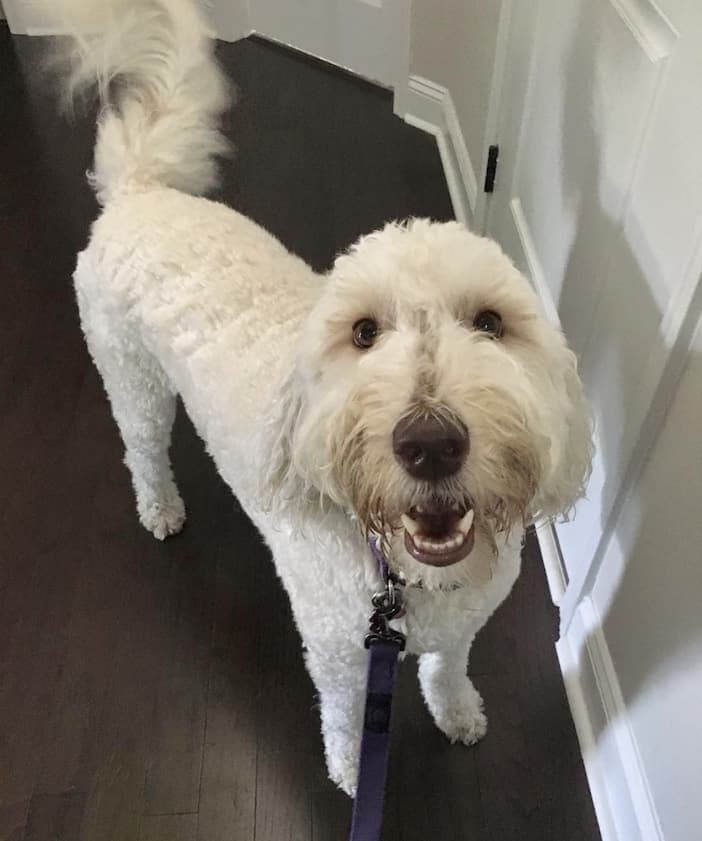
{"x":571,"y":449}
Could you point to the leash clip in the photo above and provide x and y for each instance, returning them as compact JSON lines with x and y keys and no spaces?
{"x":388,"y":605}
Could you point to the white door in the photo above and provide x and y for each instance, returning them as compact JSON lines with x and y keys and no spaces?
{"x":368,"y":37}
{"x":599,"y":199}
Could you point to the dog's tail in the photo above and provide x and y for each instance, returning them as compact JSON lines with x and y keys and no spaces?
{"x":160,"y":88}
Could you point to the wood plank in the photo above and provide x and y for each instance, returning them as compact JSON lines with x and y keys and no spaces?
{"x":117,"y":761}
{"x":83,"y":680}
{"x":55,"y":816}
{"x":168,"y":827}
{"x":13,"y":820}
{"x":178,"y":723}
{"x":290,"y":762}
{"x":565,"y":805}
{"x":228,"y":788}
{"x":33,"y":653}
{"x":505,"y":774}
{"x":331,"y":815}
{"x":434,"y":789}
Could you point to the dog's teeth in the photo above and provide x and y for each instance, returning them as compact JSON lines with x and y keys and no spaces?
{"x":466,"y":521}
{"x":410,"y":524}
{"x":436,"y":547}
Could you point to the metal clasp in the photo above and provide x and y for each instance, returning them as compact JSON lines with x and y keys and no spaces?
{"x":388,"y":605}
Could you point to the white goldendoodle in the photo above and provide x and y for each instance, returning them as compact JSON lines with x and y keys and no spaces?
{"x":416,"y":392}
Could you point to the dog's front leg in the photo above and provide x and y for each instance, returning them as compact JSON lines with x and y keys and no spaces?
{"x":340,"y":677}
{"x":453,"y":701}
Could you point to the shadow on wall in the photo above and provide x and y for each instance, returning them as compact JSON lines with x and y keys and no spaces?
{"x":618,"y":330}
{"x":606,"y":304}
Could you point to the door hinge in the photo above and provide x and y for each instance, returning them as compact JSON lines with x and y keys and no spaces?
{"x":491,"y":168}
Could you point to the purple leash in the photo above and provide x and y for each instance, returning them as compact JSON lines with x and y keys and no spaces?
{"x":385,"y":645}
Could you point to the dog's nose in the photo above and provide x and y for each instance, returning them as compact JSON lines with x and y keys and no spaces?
{"x":430,"y":447}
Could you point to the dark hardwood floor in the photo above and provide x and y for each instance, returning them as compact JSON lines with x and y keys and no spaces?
{"x":156,"y":692}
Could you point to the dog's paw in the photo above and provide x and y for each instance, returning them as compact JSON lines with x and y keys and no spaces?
{"x":463,"y":719}
{"x":163,"y":519}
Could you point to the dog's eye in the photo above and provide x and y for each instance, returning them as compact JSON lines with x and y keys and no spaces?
{"x":488,"y":322}
{"x":365,"y":332}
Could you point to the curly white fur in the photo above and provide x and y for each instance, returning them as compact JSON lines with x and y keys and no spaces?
{"x":181,"y":295}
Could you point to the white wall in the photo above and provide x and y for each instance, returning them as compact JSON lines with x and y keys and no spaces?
{"x":229,"y":18}
{"x":452,"y":43}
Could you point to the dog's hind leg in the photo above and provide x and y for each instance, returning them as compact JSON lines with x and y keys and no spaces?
{"x":143,"y":404}
{"x":453,"y":701}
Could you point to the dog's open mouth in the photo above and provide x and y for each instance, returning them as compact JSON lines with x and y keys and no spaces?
{"x":439,"y":534}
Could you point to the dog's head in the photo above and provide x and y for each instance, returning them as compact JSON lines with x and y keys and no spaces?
{"x":432,"y":399}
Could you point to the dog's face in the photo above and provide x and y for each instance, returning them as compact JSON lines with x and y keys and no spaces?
{"x":432,"y":399}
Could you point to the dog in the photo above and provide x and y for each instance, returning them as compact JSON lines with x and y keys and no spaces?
{"x":415,"y":393}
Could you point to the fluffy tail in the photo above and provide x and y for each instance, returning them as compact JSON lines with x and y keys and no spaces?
{"x":161,"y":90}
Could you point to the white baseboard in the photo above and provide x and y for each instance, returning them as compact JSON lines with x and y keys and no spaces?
{"x":553,"y":560}
{"x":618,"y":783}
{"x":429,"y":106}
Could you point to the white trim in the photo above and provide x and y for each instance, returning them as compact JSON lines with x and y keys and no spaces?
{"x":45,"y":30}
{"x":536,"y":273}
{"x":650,"y":27}
{"x":618,"y":782}
{"x":430,"y":107}
{"x":402,"y":14}
{"x":455,"y":136}
{"x":553,"y":560}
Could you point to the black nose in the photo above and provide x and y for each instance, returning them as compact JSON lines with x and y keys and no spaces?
{"x":430,"y":447}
